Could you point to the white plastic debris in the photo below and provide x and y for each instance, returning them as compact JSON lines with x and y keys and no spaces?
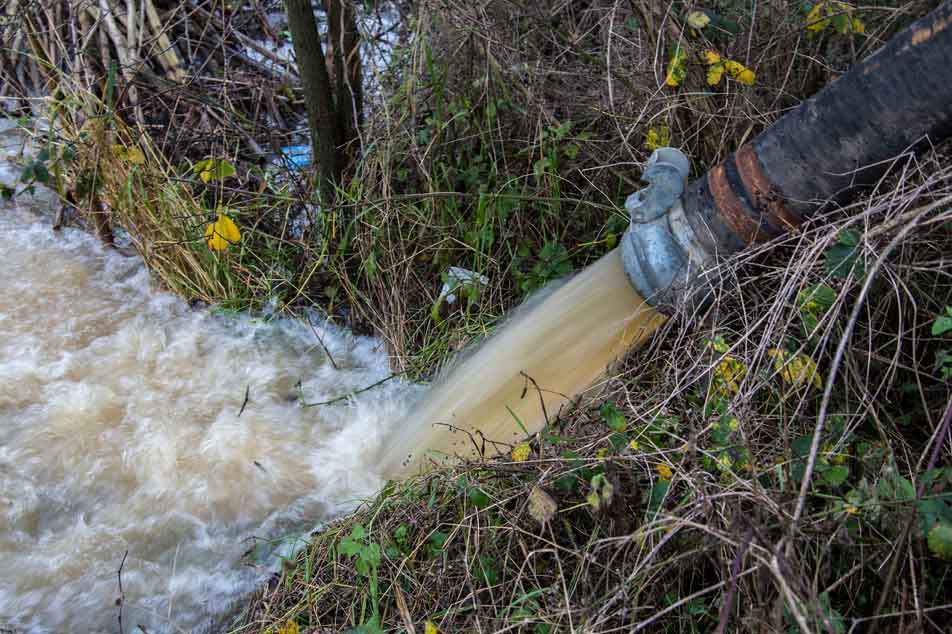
{"x":460,"y":279}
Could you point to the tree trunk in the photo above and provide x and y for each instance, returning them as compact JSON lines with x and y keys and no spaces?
{"x":318,"y":95}
{"x":346,"y":53}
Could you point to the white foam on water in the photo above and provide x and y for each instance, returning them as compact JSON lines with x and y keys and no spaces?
{"x":120,"y":431}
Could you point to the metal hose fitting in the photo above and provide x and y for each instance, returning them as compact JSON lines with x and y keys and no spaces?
{"x":660,"y":250}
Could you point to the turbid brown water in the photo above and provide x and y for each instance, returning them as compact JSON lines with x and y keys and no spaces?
{"x":562,"y":341}
{"x":120,"y":431}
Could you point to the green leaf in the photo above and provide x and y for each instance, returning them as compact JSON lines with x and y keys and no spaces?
{"x":613,"y":418}
{"x":931,"y":512}
{"x":369,"y":627}
{"x":41,"y":174}
{"x":896,"y":488}
{"x":401,"y":535}
{"x":353,"y":543}
{"x":619,"y":441}
{"x":488,"y":571}
{"x":567,"y":483}
{"x":837,"y":475}
{"x":843,"y":257}
{"x":368,"y":559}
{"x":943,"y":324}
{"x":658,"y":492}
{"x":940,"y":540}
{"x":478,"y":498}
{"x":437,"y":542}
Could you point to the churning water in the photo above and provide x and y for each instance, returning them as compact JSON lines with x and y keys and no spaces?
{"x":120,"y":431}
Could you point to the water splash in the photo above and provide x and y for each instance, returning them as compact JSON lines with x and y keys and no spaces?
{"x":121,"y":431}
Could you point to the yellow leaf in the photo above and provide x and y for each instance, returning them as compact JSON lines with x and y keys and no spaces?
{"x":291,"y":627}
{"x":634,"y":445}
{"x":796,"y":369}
{"x":711,"y":56}
{"x":222,"y":233}
{"x":129,"y":154}
{"x":676,"y":69}
{"x":657,"y":137}
{"x":698,"y":19}
{"x":816,"y":18}
{"x":835,"y":13}
{"x":746,"y":77}
{"x":430,"y":628}
{"x":714,"y":74}
{"x":520,"y":453}
{"x":740,"y":72}
{"x":728,"y":374}
{"x":664,"y":471}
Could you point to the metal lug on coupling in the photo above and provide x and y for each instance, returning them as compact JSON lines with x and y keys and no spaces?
{"x":660,"y":252}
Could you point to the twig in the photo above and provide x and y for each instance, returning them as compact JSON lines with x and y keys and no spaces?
{"x":528,"y":378}
{"x":245,"y":402}
{"x":725,"y":612}
{"x":347,"y":396}
{"x":122,"y":598}
{"x":321,"y":341}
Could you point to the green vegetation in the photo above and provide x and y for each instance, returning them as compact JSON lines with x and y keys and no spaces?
{"x":779,"y":463}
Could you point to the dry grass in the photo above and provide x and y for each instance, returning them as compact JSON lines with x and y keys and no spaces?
{"x":709,"y":525}
{"x":732,"y":542}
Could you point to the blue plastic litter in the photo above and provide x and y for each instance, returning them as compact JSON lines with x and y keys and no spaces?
{"x":298,"y":156}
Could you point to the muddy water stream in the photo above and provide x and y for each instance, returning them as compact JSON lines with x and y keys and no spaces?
{"x":120,"y":431}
